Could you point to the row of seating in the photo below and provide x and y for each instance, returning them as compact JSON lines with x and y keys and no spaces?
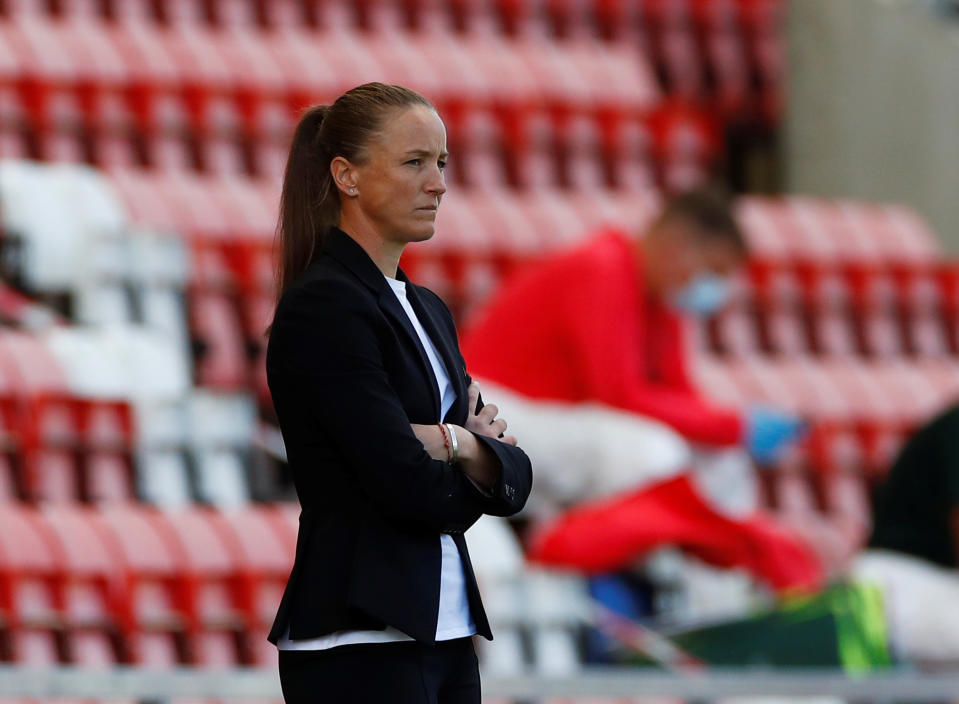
{"x":167,"y":587}
{"x":55,"y":73}
{"x":128,"y":583}
{"x":672,"y":146}
{"x":832,"y":331}
{"x":520,"y":112}
{"x":609,"y":19}
{"x":830,"y":277}
{"x":860,"y":411}
{"x":795,"y":231}
{"x":107,"y":414}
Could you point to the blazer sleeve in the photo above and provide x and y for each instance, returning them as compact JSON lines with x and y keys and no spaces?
{"x":516,"y":473}
{"x":328,"y":360}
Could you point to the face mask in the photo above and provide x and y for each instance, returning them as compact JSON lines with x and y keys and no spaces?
{"x":703,"y":296}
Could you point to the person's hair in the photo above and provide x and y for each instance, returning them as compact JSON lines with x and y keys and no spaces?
{"x":709,"y":210}
{"x":310,"y":201}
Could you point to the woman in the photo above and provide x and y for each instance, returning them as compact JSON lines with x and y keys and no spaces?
{"x":393,"y":453}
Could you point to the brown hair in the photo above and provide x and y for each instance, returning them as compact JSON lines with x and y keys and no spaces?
{"x":710,"y":211}
{"x":310,"y":202}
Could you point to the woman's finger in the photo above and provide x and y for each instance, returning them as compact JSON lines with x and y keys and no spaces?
{"x":497,"y":428}
{"x":472,"y":393}
{"x":488,"y":414}
{"x":509,"y":440}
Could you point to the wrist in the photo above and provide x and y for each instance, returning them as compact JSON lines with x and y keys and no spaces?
{"x":454,"y":446}
{"x":446,"y":431}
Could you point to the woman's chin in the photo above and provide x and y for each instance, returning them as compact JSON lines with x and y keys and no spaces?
{"x":421,"y":234}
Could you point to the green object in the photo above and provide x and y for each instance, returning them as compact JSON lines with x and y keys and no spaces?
{"x":842,"y":626}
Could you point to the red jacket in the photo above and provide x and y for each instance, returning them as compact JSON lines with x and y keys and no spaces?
{"x":581,"y":327}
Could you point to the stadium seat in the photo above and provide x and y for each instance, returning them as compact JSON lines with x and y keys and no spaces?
{"x":264,"y":555}
{"x":90,"y":649}
{"x":29,"y":565}
{"x":9,"y":491}
{"x":34,"y":647}
{"x":158,"y":607}
{"x":221,"y":360}
{"x":628,"y":154}
{"x":163,"y":477}
{"x":498,"y":562}
{"x":53,"y":475}
{"x":555,"y":606}
{"x":210,"y":572}
{"x":108,"y":477}
{"x":91,"y":595}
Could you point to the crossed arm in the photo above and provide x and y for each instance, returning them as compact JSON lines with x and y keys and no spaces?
{"x":476,"y":459}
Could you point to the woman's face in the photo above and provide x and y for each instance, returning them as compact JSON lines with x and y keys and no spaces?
{"x":401,"y":183}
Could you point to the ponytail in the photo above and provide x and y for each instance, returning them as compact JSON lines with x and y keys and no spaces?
{"x":310,"y":201}
{"x":309,"y":204}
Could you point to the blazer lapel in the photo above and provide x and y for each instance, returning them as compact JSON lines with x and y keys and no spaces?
{"x":346,"y":250}
{"x":391,"y":305}
{"x":443,"y":344}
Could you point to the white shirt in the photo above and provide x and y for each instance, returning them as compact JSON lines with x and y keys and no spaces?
{"x":454,"y":619}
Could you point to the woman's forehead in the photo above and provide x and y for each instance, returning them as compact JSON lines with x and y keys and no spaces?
{"x":417,"y":128}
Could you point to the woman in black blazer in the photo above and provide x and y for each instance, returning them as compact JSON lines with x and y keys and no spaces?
{"x":394,"y":456}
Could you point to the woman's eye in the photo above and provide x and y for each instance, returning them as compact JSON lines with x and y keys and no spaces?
{"x":414,"y":162}
{"x":441,"y":164}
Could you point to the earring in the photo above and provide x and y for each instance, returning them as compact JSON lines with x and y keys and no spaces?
{"x":352,"y":190}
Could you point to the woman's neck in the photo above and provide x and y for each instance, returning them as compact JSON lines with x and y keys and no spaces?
{"x":384,"y":253}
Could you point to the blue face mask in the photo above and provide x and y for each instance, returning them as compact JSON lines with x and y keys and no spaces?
{"x":704,"y":295}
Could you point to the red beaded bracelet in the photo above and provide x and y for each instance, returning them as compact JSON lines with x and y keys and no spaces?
{"x":446,"y":443}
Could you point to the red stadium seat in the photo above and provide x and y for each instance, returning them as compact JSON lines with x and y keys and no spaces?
{"x":738,"y":331}
{"x":257,"y":314}
{"x":8,"y":481}
{"x":46,"y":75}
{"x":153,"y":88}
{"x":209,"y":565}
{"x":221,"y":362}
{"x":580,"y":154}
{"x":151,"y":568}
{"x":717,"y":15}
{"x":34,"y":647}
{"x":153,"y":649}
{"x":54,"y":475}
{"x":727,"y":58}
{"x":108,"y":477}
{"x":309,"y":79}
{"x":54,"y":415}
{"x":90,"y":649}
{"x":90,"y":591}
{"x":681,"y":64}
{"x":28,"y":568}
{"x":106,"y":423}
{"x":259,"y":84}
{"x":205,"y":80}
{"x":102,"y":76}
{"x":264,"y":547}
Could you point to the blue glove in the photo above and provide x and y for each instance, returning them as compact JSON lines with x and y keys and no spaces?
{"x":770,"y":431}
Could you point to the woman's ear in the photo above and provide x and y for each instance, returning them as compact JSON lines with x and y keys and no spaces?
{"x":344,"y":176}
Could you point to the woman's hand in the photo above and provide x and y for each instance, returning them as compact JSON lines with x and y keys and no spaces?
{"x":485,"y":422}
{"x":476,"y":460}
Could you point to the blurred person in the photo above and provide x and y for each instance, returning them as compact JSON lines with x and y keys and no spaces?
{"x":393,"y":453}
{"x":912,"y":554}
{"x":586,"y":349}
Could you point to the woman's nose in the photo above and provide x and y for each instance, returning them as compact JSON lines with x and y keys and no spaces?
{"x":437,"y":185}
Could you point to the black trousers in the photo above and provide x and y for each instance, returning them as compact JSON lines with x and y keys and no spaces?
{"x":405,"y":672}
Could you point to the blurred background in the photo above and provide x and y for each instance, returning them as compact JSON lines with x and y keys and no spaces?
{"x":147,"y":518}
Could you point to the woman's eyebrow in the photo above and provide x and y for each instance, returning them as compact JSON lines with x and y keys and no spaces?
{"x":426,"y":152}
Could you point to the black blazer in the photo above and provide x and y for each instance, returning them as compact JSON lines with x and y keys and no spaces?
{"x":348,"y":375}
